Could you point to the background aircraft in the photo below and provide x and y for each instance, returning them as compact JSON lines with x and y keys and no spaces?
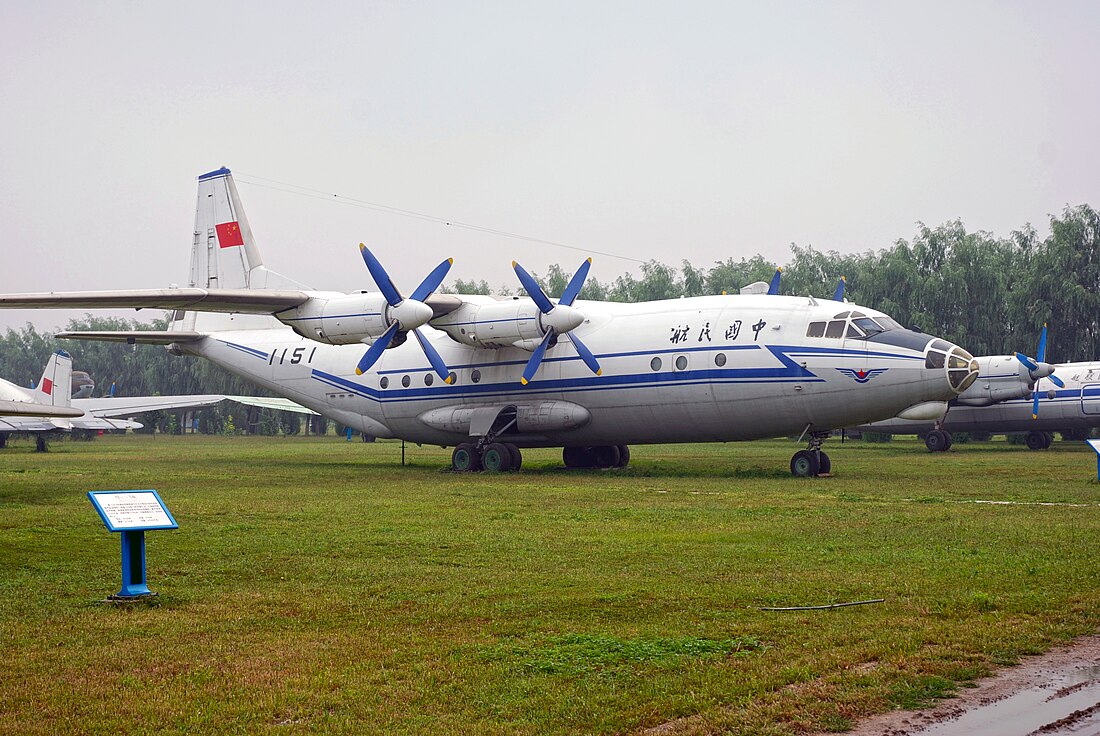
{"x":488,"y":375}
{"x":48,"y":408}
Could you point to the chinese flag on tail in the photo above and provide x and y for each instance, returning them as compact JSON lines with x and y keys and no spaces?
{"x":229,"y":235}
{"x":47,"y":386}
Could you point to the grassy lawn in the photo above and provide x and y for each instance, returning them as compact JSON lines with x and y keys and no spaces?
{"x":315,"y":585}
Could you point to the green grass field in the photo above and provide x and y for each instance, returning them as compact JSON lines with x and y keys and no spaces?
{"x":315,"y":585}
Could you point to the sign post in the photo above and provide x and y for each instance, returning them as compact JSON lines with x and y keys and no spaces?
{"x":1095,"y":445}
{"x":132,"y":513}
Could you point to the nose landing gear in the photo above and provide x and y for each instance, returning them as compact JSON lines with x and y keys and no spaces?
{"x":938,"y":440}
{"x":812,"y":461}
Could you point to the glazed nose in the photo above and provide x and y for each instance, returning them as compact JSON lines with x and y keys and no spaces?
{"x":959,"y":365}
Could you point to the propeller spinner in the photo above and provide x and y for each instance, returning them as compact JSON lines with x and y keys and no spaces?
{"x":1037,"y":369}
{"x":559,"y":319}
{"x":408,"y":314}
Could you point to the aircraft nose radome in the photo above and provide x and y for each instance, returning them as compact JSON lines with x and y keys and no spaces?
{"x":563,"y":318}
{"x":411,"y":314}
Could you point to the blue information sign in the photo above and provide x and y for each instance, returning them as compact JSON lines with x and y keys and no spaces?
{"x":132,"y":513}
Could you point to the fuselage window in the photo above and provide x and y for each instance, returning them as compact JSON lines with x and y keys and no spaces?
{"x":385,"y":382}
{"x":816,"y":329}
{"x":429,"y":379}
{"x":475,"y":375}
{"x":720,"y":359}
{"x":681,"y":362}
{"x":405,"y":381}
{"x":454,"y":377}
{"x":655,"y":364}
{"x":835,"y":329}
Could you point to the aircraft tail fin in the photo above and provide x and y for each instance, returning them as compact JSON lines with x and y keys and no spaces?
{"x":54,"y":388}
{"x":224,"y":254}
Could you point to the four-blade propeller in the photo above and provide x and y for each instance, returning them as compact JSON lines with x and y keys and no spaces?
{"x":1037,"y":369}
{"x":558,"y":319}
{"x":407,"y":313}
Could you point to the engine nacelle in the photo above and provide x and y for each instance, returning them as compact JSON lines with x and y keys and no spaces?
{"x":494,"y":323}
{"x":1000,"y":378}
{"x":339,"y":319}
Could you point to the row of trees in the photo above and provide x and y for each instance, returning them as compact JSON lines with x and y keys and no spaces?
{"x":989,"y":294}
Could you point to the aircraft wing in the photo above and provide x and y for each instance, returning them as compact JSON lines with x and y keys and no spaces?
{"x":26,"y":424}
{"x":118,"y":406}
{"x":238,"y":301}
{"x":265,"y":402}
{"x":93,"y":424}
{"x":32,"y":409}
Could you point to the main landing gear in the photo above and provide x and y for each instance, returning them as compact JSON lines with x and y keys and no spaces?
{"x":1039,"y":440}
{"x":812,"y":461}
{"x":494,"y":457}
{"x":938,"y":440}
{"x":601,"y":456}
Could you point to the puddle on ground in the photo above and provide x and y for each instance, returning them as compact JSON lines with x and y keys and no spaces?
{"x":1068,"y":703}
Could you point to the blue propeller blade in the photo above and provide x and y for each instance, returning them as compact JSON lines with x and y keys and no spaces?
{"x":1035,"y":404}
{"x":575,"y":284}
{"x":773,"y":287}
{"x":1028,"y":362}
{"x":838,"y":295}
{"x":1056,"y":381}
{"x":533,"y":289}
{"x":433,"y":357}
{"x":536,"y":359}
{"x":586,"y":355}
{"x":375,"y":352}
{"x":381,"y":278}
{"x":432,"y":281}
{"x":1042,"y":344}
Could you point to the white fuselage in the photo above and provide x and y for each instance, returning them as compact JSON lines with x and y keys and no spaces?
{"x":705,"y":369}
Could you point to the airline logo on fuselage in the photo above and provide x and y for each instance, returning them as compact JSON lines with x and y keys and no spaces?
{"x":862,"y":376}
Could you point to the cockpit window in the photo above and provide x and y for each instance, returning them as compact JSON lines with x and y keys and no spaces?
{"x":842,"y":315}
{"x":941,"y":345}
{"x":888,"y":323}
{"x":816,"y":329}
{"x":934,"y":359}
{"x":868,"y":325}
{"x":853,"y":332}
{"x":835,"y":328}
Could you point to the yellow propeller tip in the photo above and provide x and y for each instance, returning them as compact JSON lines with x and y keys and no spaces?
{"x":779,"y":269}
{"x":589,"y":259}
{"x":358,"y":372}
{"x":523,"y":380}
{"x":362,"y":246}
{"x":448,"y":380}
{"x":599,"y":372}
{"x":1034,"y":416}
{"x":513,"y":264}
{"x":451,"y":261}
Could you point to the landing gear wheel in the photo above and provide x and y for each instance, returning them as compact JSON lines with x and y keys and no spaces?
{"x":3,"y":440}
{"x":937,"y":441}
{"x":805,"y":464}
{"x":496,"y":458}
{"x":40,"y":444}
{"x":576,"y":457}
{"x":465,"y":459}
{"x":605,"y":456}
{"x":1050,"y":440}
{"x":824,"y":464}
{"x":1037,"y":441}
{"x":517,"y":456}
{"x":624,"y":456}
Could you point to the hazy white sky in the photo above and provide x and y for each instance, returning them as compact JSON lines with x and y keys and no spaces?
{"x":652,"y":130}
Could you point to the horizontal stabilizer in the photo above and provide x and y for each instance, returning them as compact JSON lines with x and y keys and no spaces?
{"x":31,"y":409}
{"x":132,"y":337}
{"x":265,"y":402}
{"x":234,"y":301}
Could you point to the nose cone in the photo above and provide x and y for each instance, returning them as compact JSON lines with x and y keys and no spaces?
{"x":563,"y":318}
{"x":411,"y":314}
{"x":960,"y":367}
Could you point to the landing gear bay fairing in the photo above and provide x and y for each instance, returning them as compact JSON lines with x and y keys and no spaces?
{"x":490,"y":375}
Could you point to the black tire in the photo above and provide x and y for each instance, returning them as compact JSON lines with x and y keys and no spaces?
{"x":1050,"y":440}
{"x":1037,"y":441}
{"x":824,"y":464}
{"x":950,"y":440}
{"x":624,"y":456}
{"x":496,"y":458}
{"x":937,"y":441}
{"x":3,"y":440}
{"x":517,"y":456}
{"x":605,"y":456}
{"x":804,"y":464}
{"x":576,"y":457}
{"x":465,"y":459}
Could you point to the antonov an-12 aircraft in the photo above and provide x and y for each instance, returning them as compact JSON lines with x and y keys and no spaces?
{"x":490,"y":375}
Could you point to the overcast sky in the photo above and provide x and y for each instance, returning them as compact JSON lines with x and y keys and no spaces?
{"x":649,"y":130}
